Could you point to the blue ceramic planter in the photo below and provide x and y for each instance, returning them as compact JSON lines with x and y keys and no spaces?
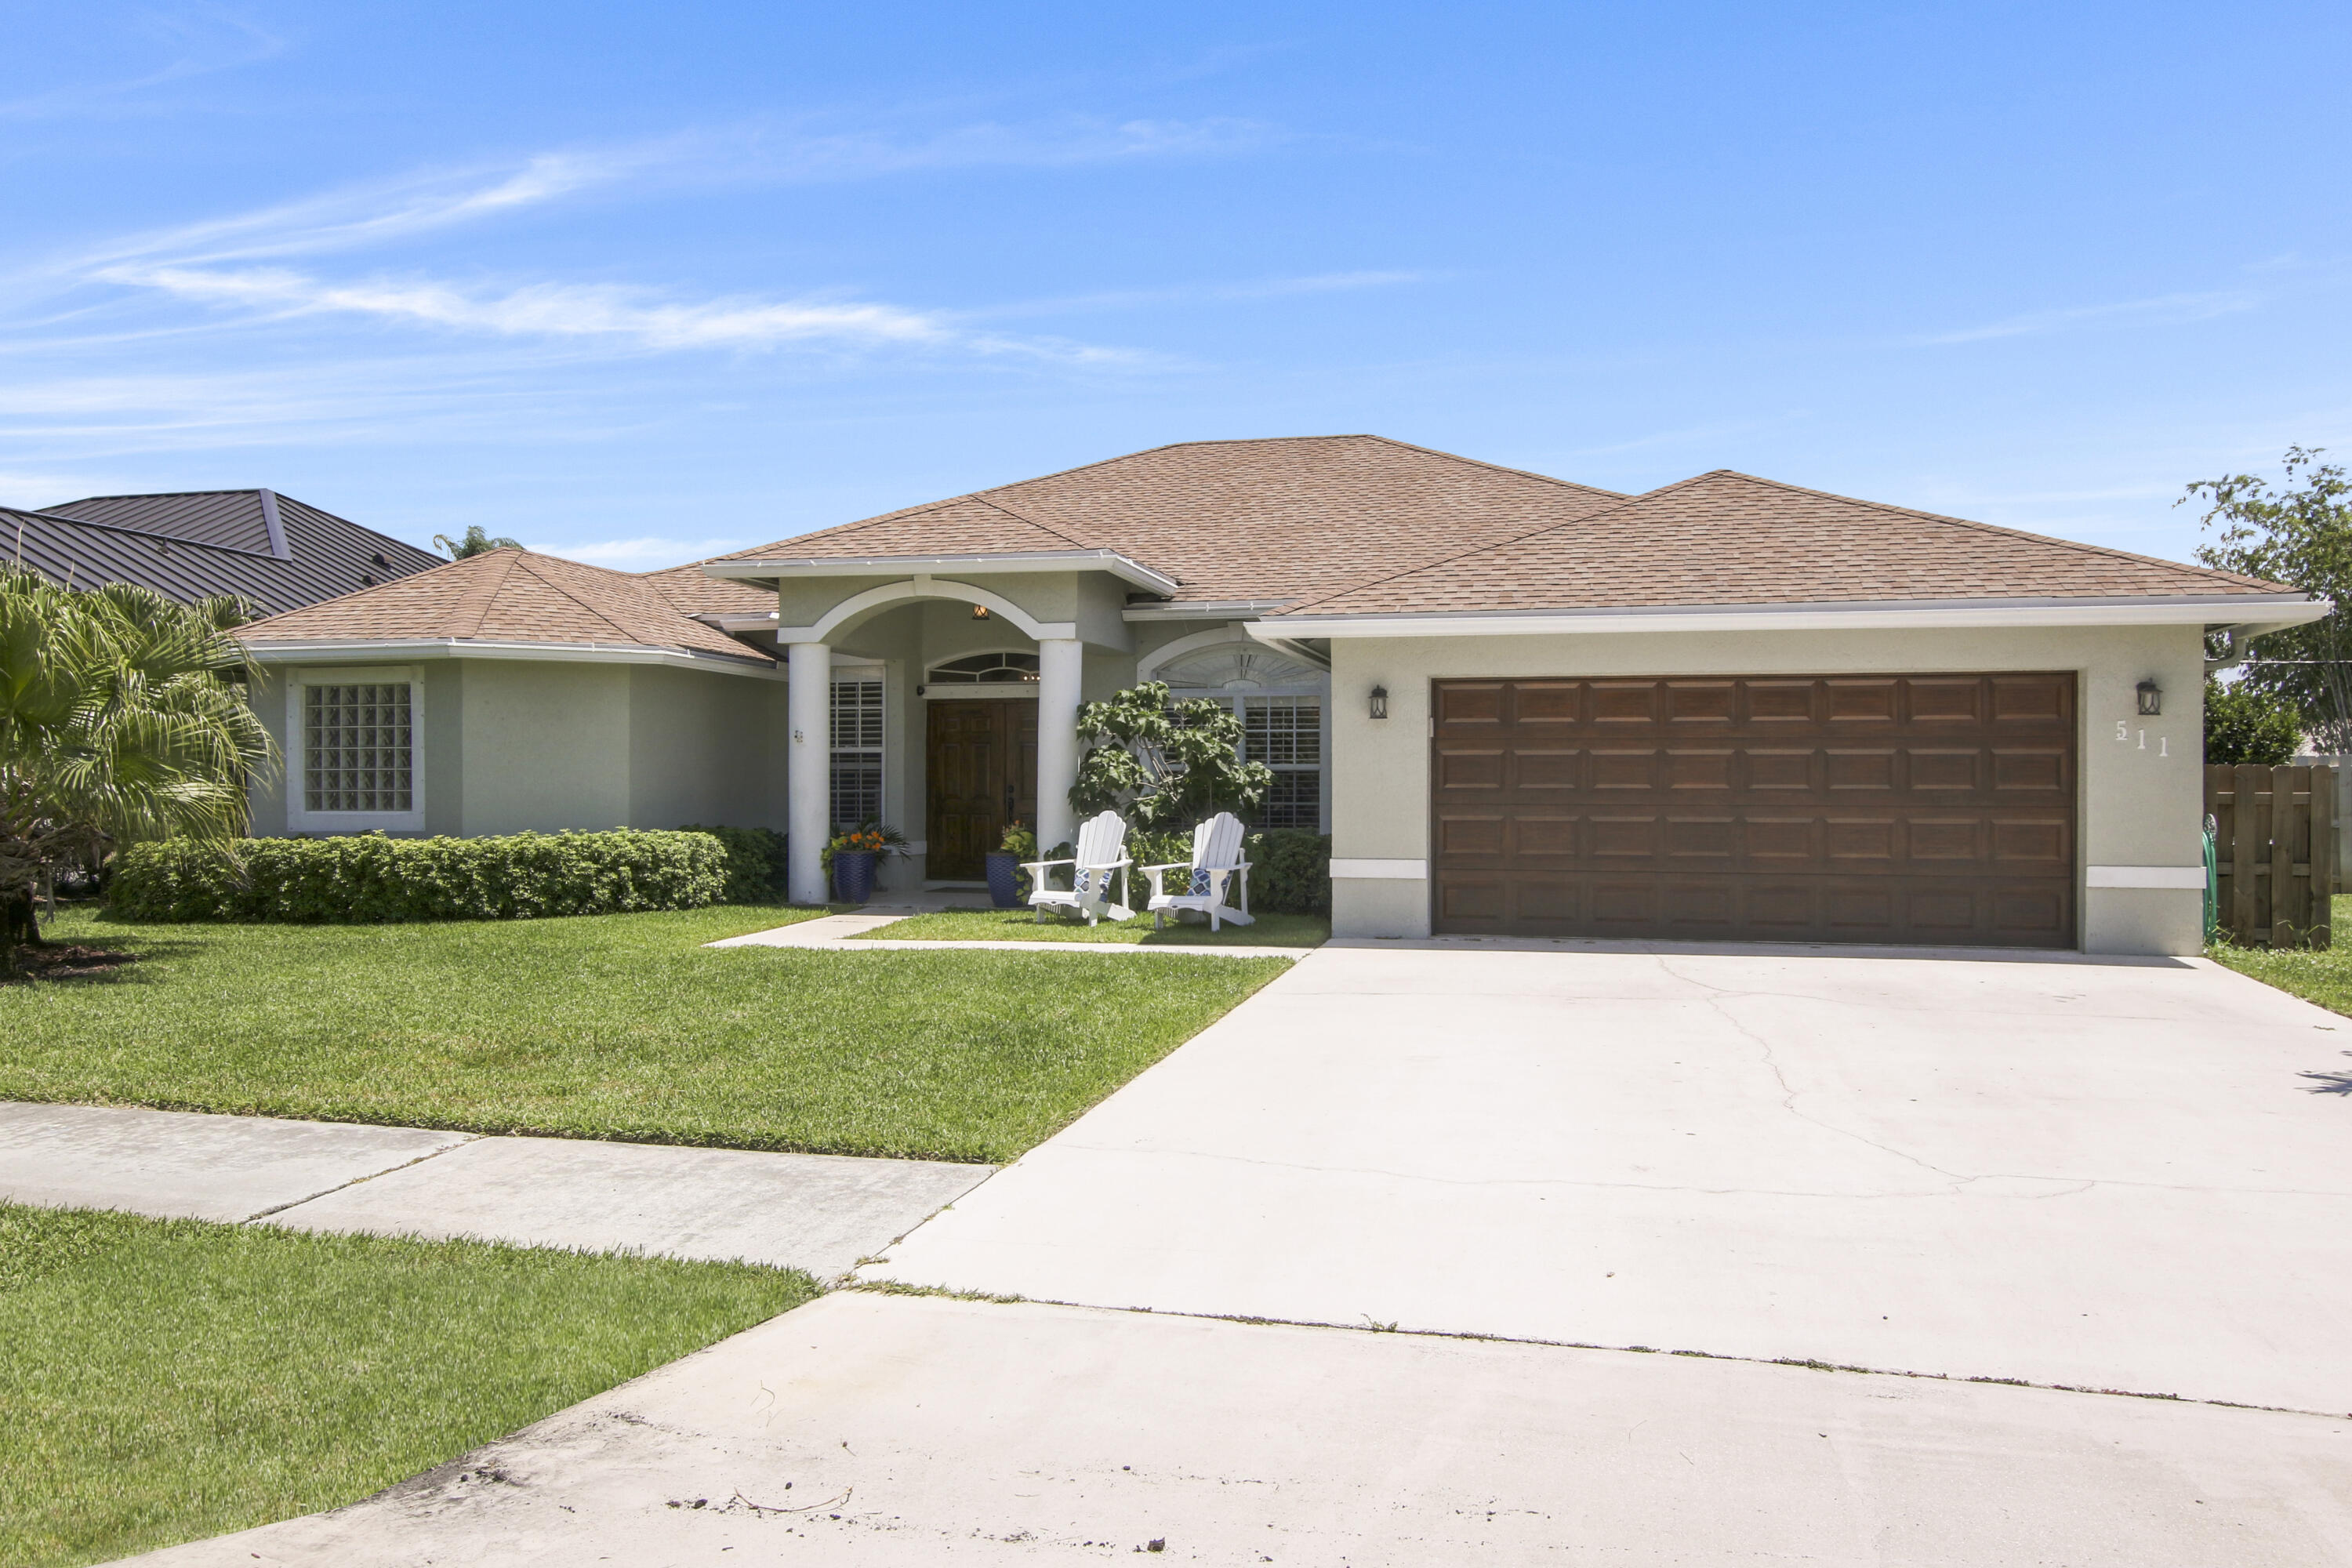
{"x":853,"y":875}
{"x":1006,"y":881}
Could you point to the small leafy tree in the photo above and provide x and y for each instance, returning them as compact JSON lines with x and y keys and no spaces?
{"x":2302,"y":536}
{"x":476,"y":542}
{"x":1163,"y":763}
{"x":119,"y":721}
{"x":2243,"y":725}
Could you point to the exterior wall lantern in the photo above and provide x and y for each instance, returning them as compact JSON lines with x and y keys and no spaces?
{"x":2151,"y":699}
{"x":979,"y":612}
{"x":1380,"y":701}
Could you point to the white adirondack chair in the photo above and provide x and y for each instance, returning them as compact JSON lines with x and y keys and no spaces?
{"x":1102,"y":850}
{"x":1216,"y":863}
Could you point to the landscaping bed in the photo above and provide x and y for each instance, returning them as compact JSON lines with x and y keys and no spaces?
{"x":1023,"y":925}
{"x":617,"y":1026}
{"x":163,"y":1380}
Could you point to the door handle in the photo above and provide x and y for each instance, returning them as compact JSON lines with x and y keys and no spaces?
{"x":1008,"y":803}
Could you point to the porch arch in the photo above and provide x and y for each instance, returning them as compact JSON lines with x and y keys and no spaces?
{"x":858,"y":606}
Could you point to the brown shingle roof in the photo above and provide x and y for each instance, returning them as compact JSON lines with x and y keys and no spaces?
{"x":1269,"y":519}
{"x":1728,"y":538}
{"x":505,"y":596}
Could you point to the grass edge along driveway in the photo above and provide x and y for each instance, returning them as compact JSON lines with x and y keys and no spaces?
{"x":166,"y":1380}
{"x":613,"y":1026}
{"x":1021,"y":925}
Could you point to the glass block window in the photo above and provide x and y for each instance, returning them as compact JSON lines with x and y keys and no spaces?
{"x":1285,"y":733}
{"x":856,"y":752}
{"x":357,"y":752}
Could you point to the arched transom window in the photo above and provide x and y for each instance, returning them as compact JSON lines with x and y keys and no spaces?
{"x":984,"y":670}
{"x":1280,"y":700}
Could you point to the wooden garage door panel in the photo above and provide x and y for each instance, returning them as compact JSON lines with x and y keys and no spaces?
{"x":1932,"y":808}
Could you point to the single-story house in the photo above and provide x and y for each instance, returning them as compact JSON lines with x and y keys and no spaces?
{"x":273,"y":552}
{"x":1725,"y":709}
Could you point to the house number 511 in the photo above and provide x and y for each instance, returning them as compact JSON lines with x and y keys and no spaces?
{"x":2123,"y":736}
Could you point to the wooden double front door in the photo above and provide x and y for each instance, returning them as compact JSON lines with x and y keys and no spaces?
{"x":982,"y":772}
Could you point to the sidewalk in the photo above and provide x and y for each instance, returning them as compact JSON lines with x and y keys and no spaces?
{"x":817,"y":1212}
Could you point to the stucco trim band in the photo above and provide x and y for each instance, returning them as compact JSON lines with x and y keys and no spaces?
{"x":2257,"y":612}
{"x":2144,"y":877}
{"x":1380,"y":870}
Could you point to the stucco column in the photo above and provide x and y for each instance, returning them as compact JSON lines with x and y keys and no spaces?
{"x":808,"y":770}
{"x":1061,"y":661}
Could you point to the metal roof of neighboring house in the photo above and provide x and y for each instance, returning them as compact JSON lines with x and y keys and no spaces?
{"x":1731,"y":539}
{"x":506,"y":596}
{"x":1280,"y":518}
{"x":276,"y":552}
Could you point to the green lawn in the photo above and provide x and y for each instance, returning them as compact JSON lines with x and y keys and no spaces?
{"x":162,"y":1381}
{"x":608,"y":1026}
{"x":2322,"y":977}
{"x":1022,"y":925}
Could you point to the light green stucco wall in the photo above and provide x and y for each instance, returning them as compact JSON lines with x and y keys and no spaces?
{"x":2137,"y":807}
{"x":511,"y":745}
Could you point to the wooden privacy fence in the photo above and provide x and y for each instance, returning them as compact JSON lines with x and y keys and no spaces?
{"x":2273,"y":889}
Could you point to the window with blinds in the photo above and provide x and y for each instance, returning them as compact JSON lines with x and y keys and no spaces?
{"x":1285,"y":733}
{"x":358,"y":747}
{"x":856,"y":752}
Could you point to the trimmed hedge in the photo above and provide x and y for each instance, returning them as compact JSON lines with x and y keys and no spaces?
{"x":371,"y":879}
{"x":1290,"y":871}
{"x":755,"y":863}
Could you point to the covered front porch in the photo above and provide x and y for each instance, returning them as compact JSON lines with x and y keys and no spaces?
{"x":940,"y":694}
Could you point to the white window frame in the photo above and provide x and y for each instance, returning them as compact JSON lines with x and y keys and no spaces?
{"x":844,"y":673}
{"x":956,"y":690}
{"x":300,"y":817}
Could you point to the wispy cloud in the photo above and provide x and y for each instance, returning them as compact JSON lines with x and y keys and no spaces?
{"x":210,"y":263}
{"x":549,"y":310}
{"x":199,"y":41}
{"x":2165,"y":310}
{"x":1190,"y":293}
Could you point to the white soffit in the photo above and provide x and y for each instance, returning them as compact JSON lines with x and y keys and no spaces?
{"x":1110,"y":561}
{"x":2254,"y":613}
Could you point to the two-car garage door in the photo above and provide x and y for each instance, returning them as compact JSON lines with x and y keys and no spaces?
{"x":1893,"y":808}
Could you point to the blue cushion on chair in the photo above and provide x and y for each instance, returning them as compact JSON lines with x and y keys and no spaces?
{"x":1084,"y":880}
{"x":1202,"y":881}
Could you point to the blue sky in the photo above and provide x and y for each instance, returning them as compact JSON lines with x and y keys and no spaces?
{"x":641,"y":283}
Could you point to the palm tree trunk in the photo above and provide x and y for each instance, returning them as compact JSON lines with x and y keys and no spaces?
{"x":19,"y":926}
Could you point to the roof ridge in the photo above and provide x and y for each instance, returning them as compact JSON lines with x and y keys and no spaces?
{"x":523,"y":558}
{"x":145,"y":533}
{"x":479,"y":596}
{"x":1498,"y":543}
{"x":1497,"y":467}
{"x":2106,"y":550}
{"x":1023,"y":517}
{"x":879,"y":517}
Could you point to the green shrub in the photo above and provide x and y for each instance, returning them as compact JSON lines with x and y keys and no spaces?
{"x":2243,"y":725}
{"x":371,"y":879}
{"x":756,"y":870}
{"x":1290,"y":871}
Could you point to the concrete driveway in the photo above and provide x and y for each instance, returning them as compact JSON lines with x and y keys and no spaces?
{"x":2096,"y":1175}
{"x":2105,"y":1174}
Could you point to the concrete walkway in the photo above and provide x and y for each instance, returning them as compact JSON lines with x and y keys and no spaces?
{"x":834,"y":931}
{"x":818,"y":1212}
{"x":2111,"y":1175}
{"x":903,"y":1432}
